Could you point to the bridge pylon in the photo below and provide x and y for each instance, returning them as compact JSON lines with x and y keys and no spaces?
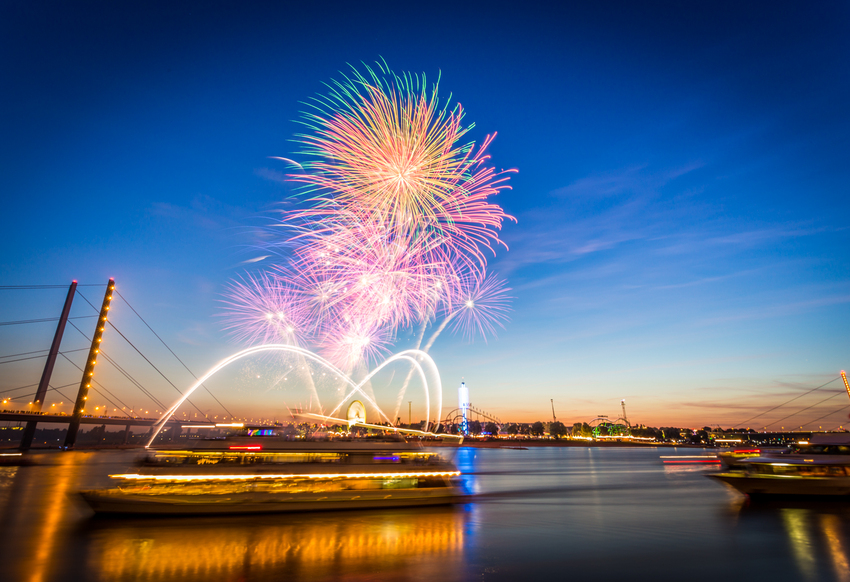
{"x":41,"y":392}
{"x":88,"y":371}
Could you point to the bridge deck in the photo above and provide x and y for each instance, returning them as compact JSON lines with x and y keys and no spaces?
{"x":65,"y":419}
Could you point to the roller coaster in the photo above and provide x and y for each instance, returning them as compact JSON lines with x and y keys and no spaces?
{"x":603,"y":427}
{"x":456,"y":417}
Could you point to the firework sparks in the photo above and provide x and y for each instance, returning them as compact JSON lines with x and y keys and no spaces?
{"x":260,"y":309}
{"x":483,"y":306}
{"x":382,"y":147}
{"x":394,"y":227}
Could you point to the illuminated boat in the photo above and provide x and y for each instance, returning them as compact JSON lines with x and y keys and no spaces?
{"x":815,"y":468}
{"x":262,"y":475}
{"x":737,"y":458}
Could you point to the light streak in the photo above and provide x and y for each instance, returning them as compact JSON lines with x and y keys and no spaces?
{"x":293,"y":162}
{"x":686,"y":462}
{"x":224,"y":477}
{"x":414,"y":356}
{"x":380,"y":426}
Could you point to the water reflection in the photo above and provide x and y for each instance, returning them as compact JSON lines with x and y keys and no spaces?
{"x":313,"y":546}
{"x":795,"y":522}
{"x":537,"y":514}
{"x":837,"y":546}
{"x":35,"y":506}
{"x":817,"y":533}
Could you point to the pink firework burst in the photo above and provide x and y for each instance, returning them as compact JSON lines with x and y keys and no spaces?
{"x":350,"y":341}
{"x":480,"y":307}
{"x":380,"y":278}
{"x":262,"y":309}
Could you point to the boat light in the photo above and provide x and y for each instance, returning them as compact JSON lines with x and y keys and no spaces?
{"x":246,"y":448}
{"x":693,"y":461}
{"x":138,"y":477}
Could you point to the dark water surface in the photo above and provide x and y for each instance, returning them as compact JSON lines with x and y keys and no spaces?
{"x":543,"y":514}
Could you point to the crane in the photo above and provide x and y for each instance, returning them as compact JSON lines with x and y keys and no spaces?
{"x":846,"y":385}
{"x":625,"y":418}
{"x":552,"y":400}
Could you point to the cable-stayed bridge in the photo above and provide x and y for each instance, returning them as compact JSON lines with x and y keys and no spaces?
{"x":21,"y":404}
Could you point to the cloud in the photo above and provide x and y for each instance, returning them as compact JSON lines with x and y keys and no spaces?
{"x":580,"y":219}
{"x":203,"y":212}
{"x":629,"y":180}
{"x":273,"y":175}
{"x":772,"y":310}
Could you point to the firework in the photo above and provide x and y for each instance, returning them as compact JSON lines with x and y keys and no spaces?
{"x":383,"y":148}
{"x":259,"y":308}
{"x":481,"y":307}
{"x":350,"y":340}
{"x":393,"y":228}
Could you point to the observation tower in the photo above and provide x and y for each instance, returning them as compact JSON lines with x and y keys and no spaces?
{"x":463,"y":404}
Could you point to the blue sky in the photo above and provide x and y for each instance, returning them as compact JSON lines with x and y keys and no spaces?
{"x":681,"y":202}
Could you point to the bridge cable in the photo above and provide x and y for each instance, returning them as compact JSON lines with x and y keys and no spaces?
{"x":102,"y":388}
{"x":829,"y":414}
{"x":19,"y":388}
{"x":34,"y":393}
{"x":23,"y":354}
{"x":135,"y":382}
{"x":806,"y":408}
{"x":41,"y":356}
{"x":787,"y":402}
{"x":155,"y":368}
{"x":145,"y":358}
{"x":172,"y":352}
{"x":42,"y":320}
{"x":16,"y":287}
{"x":60,"y":393}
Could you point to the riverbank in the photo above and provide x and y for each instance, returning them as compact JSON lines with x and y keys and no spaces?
{"x":534,"y":443}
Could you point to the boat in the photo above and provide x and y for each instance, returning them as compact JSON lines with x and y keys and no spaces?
{"x":247,"y":474}
{"x":818,"y":467}
{"x":15,"y":459}
{"x":736,"y":458}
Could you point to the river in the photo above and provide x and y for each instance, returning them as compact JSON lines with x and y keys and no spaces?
{"x":541,"y":514}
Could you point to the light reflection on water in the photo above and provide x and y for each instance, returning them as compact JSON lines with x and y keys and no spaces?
{"x":540,"y":512}
{"x":314,"y":547}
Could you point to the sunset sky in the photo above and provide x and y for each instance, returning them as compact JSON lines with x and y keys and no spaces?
{"x":681,"y":200}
